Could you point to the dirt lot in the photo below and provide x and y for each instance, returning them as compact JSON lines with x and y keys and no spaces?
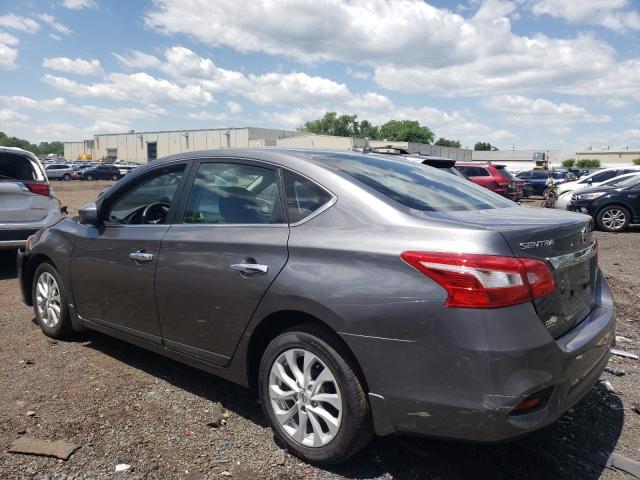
{"x":124,"y":405}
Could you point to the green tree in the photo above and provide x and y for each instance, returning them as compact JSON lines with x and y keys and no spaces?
{"x":406,"y":131}
{"x":588,"y":163}
{"x":569,"y":162}
{"x":44,"y":148}
{"x":443,"y":142}
{"x":636,"y":161}
{"x":367,"y":130}
{"x":332,"y":124}
{"x":482,"y":146}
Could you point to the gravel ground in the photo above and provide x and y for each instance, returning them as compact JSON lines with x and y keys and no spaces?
{"x":123,"y":405}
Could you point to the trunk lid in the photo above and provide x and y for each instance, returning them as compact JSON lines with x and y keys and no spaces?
{"x":18,"y":204}
{"x":564,"y":240}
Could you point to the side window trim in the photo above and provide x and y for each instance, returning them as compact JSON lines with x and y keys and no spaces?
{"x":327,"y":205}
{"x":191,"y":177}
{"x":188,"y":166}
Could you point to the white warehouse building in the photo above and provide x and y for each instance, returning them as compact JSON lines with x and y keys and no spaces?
{"x":141,"y":147}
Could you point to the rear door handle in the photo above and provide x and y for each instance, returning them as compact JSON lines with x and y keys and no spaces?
{"x":250,"y":268}
{"x":141,"y":256}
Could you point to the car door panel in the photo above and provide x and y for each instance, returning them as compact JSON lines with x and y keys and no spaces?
{"x":204,"y":299}
{"x":204,"y":304}
{"x":111,"y":287}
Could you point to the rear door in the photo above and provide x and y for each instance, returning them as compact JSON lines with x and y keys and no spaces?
{"x":17,"y":202}
{"x":219,"y":258}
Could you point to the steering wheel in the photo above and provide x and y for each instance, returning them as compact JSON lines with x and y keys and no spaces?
{"x":155,"y":213}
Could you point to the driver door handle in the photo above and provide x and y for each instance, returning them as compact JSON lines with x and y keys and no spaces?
{"x":250,"y":268}
{"x":141,"y":256}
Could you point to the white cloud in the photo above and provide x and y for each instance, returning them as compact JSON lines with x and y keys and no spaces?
{"x":416,"y":48}
{"x":22,"y":24}
{"x":57,"y":26}
{"x":234,"y":108}
{"x":12,"y":117}
{"x":540,"y":112}
{"x":358,"y":74}
{"x":55,"y":37}
{"x":137,"y":59}
{"x":137,"y":87}
{"x":369,"y":101}
{"x":20,"y":102}
{"x":78,"y":66}
{"x":79,"y":4}
{"x":214,"y":116}
{"x":610,"y":14}
{"x":8,"y":52}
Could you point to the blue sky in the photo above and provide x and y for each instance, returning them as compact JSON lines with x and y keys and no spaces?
{"x":530,"y":73}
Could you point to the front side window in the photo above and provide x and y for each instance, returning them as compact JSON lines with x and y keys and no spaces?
{"x":149,"y":201}
{"x":231,"y":193}
{"x":303,"y":196}
{"x":602,"y":176}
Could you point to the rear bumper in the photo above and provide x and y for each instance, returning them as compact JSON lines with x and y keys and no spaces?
{"x":14,"y":238}
{"x":464,"y":382}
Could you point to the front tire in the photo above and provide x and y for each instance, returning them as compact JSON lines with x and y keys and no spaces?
{"x":89,"y":177}
{"x":312,"y":396}
{"x":613,"y":218}
{"x":115,"y":178}
{"x":50,"y":302}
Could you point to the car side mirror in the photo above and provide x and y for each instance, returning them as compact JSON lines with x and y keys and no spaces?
{"x":89,"y":214}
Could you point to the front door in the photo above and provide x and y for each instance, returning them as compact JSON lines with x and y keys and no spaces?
{"x":216,"y":265}
{"x":113,"y":265}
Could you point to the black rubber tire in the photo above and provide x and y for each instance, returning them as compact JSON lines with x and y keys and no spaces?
{"x":356,"y":429}
{"x":63,"y":328}
{"x":601,"y":213}
{"x":66,"y":177}
{"x":115,"y":178}
{"x":89,"y":177}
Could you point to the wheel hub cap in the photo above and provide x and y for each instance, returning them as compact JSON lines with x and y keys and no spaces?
{"x":48,"y":300}
{"x":305,"y":398}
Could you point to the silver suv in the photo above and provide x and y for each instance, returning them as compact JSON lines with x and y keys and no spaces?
{"x":26,"y":202}
{"x":60,"y":171}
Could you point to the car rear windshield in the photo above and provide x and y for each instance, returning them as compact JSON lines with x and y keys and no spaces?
{"x":504,"y":173}
{"x":14,"y":166}
{"x":415,"y":186}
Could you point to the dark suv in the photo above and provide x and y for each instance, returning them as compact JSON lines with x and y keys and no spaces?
{"x":101,"y":172}
{"x":538,"y":178}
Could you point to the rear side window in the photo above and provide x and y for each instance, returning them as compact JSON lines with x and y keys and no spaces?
{"x":475,"y":171}
{"x":231,"y":193}
{"x":416,"y":186}
{"x":504,"y":173}
{"x":602,"y":176}
{"x":18,"y":167}
{"x":303,"y":196}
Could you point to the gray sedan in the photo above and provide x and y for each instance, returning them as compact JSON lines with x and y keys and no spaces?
{"x":358,"y":294}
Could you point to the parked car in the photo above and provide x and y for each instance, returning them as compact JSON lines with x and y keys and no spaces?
{"x":593,"y":180}
{"x":444,"y":164}
{"x":538,"y":178}
{"x":494,"y":177}
{"x":60,"y":171}
{"x":124,"y":169}
{"x":357,"y":293}
{"x":101,"y":172}
{"x":26,"y":203}
{"x":612,"y":206}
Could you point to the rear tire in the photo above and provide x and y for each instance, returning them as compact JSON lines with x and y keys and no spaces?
{"x":614,"y":218}
{"x":115,"y":178}
{"x":50,"y":302}
{"x":328,"y":401}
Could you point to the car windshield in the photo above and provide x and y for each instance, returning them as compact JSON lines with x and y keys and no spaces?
{"x":415,"y":186}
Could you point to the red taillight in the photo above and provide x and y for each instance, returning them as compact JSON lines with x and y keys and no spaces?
{"x":39,"y":188}
{"x":484,"y":281}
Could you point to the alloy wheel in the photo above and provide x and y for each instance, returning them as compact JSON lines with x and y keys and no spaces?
{"x":305,"y":398}
{"x":614,"y":219}
{"x":48,"y":299}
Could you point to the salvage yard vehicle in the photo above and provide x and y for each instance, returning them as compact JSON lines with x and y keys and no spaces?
{"x":495,"y":178}
{"x":566,"y":190}
{"x":538,"y":179}
{"x":60,"y":171}
{"x":101,"y":172}
{"x":26,"y":203}
{"x":613,"y":206}
{"x":358,"y":294}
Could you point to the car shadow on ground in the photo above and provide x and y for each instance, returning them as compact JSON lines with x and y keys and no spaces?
{"x":577,"y":446}
{"x":8,"y":264}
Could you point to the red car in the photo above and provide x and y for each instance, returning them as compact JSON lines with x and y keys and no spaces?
{"x":494,"y":177}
